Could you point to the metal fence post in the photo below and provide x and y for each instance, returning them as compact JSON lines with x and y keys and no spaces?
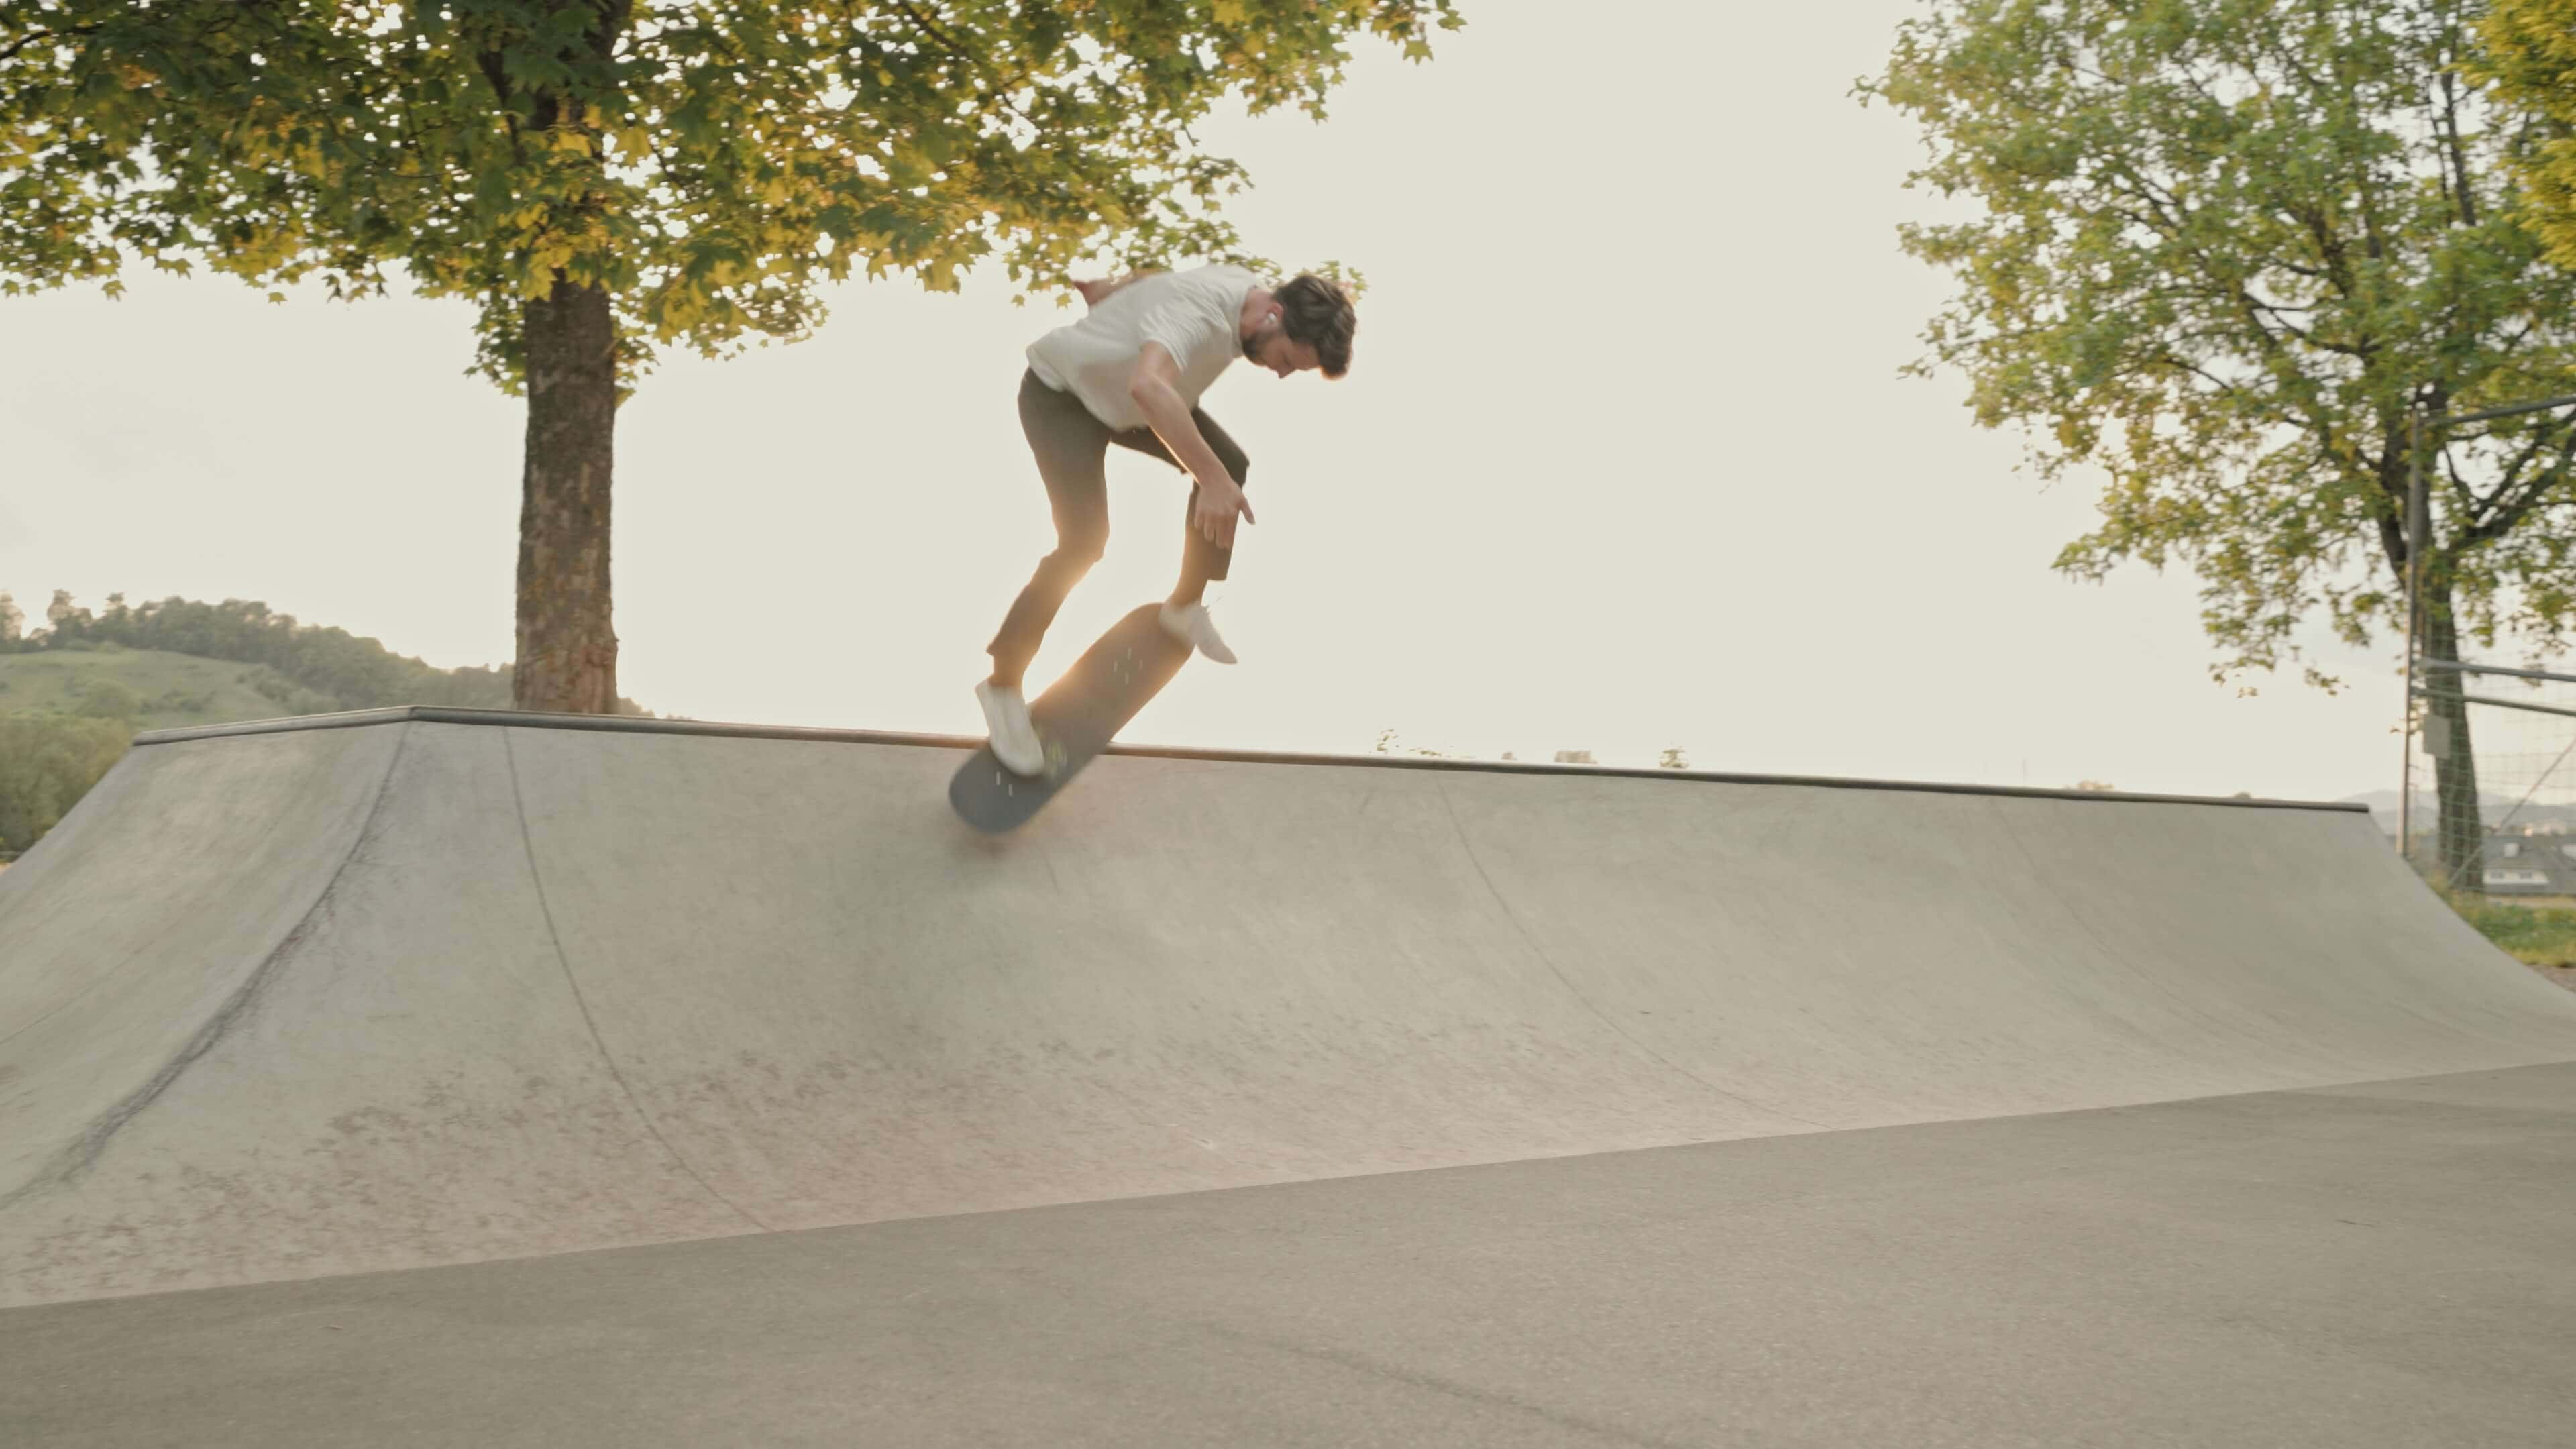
{"x":2417,"y":507}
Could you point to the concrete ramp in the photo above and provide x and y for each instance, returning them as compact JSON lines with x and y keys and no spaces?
{"x":431,"y":986}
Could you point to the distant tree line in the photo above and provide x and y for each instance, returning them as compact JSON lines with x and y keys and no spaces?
{"x":339,"y":669}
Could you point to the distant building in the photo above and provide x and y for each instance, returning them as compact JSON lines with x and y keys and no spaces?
{"x":1575,"y":757}
{"x":2530,"y":865}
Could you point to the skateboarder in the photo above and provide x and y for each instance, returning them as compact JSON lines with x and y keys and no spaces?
{"x":1131,"y":372}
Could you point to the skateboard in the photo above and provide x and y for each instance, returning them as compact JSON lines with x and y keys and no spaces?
{"x":1076,"y":718}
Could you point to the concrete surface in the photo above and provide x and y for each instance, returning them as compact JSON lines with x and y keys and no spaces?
{"x":330,"y":1000}
{"x":2348,"y":1268}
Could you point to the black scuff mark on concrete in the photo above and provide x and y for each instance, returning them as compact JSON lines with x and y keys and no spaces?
{"x":83,"y":1152}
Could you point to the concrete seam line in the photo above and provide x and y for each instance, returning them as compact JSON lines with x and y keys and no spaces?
{"x":1616,"y":1029}
{"x":590,"y":1024}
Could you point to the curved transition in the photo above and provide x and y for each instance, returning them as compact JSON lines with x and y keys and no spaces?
{"x":418,"y":990}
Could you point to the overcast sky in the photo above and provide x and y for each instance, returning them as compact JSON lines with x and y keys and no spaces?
{"x":1623,"y":463}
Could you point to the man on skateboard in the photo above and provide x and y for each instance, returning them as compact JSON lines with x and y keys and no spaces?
{"x":1131,"y":372}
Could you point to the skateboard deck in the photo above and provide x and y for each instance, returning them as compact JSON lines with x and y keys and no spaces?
{"x":1076,"y":718}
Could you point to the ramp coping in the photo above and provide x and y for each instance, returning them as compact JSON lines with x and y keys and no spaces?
{"x":633,"y":724}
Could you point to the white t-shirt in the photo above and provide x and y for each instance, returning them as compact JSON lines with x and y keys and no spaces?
{"x":1196,"y":315}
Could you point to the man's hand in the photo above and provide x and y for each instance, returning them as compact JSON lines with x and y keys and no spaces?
{"x":1219,"y":504}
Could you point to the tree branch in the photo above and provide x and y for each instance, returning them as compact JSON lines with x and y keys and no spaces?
{"x":2502,"y":514}
{"x":2452,"y":148}
{"x":992,"y":90}
{"x":22,"y":42}
{"x":2534,"y":496}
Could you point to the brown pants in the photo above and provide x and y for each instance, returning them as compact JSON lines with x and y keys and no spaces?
{"x":1072,"y":449}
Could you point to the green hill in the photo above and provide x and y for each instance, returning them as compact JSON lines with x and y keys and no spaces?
{"x":66,"y":716}
{"x":74,"y":693}
{"x":171,"y":690}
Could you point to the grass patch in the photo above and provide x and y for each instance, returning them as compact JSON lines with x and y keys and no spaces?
{"x":2533,"y":936}
{"x":170,"y":690}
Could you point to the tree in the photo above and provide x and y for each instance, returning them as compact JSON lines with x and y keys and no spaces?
{"x":606,"y":179}
{"x":2529,"y":54}
{"x":2225,"y":249}
{"x":47,"y":762}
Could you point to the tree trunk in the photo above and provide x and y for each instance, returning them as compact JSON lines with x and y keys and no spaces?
{"x":567,"y":644}
{"x":2458,"y":826}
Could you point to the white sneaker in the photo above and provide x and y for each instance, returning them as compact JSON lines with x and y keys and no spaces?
{"x":1006,"y":721}
{"x":1191,"y":622}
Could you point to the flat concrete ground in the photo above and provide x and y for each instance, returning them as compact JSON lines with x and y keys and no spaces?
{"x":2389,"y":1264}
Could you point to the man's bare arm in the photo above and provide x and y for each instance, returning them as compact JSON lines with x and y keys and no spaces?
{"x":1220,"y":493}
{"x":1153,"y":388}
{"x":1100,"y":289}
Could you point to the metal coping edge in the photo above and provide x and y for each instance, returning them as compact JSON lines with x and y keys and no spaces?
{"x":629,"y":724}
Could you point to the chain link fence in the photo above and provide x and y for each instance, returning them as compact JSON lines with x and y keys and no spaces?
{"x":2514,"y":838}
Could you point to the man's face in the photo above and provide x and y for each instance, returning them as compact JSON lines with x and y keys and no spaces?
{"x":1270,"y":346}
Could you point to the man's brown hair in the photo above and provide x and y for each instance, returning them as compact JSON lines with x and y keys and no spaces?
{"x":1318,"y":313}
